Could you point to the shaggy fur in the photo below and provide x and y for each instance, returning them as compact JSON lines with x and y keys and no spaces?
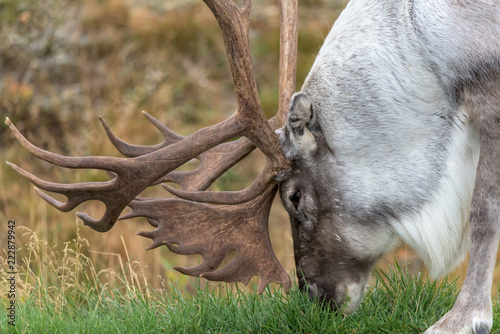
{"x":400,"y":109}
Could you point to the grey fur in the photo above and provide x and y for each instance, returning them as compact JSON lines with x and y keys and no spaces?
{"x":405,"y":102}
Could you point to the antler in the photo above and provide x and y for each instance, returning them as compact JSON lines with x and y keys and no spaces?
{"x":215,"y":231}
{"x":212,"y":231}
{"x":214,"y":162}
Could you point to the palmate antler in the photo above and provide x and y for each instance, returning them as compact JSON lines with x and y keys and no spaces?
{"x":187,"y":226}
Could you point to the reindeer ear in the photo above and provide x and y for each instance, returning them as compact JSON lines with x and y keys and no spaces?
{"x":300,"y":120}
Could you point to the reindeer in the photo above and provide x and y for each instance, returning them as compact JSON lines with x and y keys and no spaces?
{"x":394,"y":135}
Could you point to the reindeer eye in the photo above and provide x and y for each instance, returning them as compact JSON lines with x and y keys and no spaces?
{"x":295,"y":199}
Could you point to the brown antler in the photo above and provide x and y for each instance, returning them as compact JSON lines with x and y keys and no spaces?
{"x":212,"y":231}
{"x":214,"y":162}
{"x":215,"y":231}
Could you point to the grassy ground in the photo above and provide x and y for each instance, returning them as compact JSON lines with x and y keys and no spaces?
{"x":61,"y":292}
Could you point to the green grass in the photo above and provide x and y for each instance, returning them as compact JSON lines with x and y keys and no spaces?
{"x":404,"y":304}
{"x":59,"y":291}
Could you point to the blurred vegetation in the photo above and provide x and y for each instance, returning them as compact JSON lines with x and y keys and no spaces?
{"x":64,"y":62}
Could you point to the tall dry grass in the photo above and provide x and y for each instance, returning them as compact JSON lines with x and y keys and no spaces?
{"x":58,"y":275}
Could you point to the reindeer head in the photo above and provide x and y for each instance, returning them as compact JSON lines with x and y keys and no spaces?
{"x":335,"y":249}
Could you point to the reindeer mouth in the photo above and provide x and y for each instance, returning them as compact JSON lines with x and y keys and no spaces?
{"x":344,"y":298}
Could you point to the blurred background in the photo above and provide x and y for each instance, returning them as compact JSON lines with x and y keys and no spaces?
{"x":63,"y":63}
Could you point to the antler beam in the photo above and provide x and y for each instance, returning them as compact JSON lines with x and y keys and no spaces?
{"x":132,"y":175}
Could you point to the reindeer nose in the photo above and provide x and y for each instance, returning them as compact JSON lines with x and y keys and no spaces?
{"x":319,"y":294}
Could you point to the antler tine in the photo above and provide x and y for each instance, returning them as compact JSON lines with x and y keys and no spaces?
{"x":76,"y":193}
{"x":110,"y":164}
{"x":227,"y":197}
{"x":214,"y":162}
{"x":130,"y":150}
{"x":288,"y":56}
{"x":132,"y":175}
